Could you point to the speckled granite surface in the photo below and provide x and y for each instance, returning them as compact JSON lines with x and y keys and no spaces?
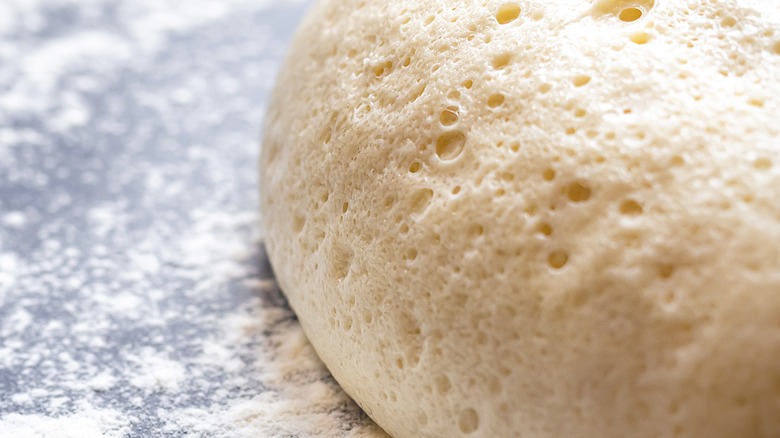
{"x":135,"y":297}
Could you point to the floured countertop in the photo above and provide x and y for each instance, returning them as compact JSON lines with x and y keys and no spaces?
{"x":135,"y":296}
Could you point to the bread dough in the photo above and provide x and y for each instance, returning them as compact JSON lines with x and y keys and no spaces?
{"x":535,"y":218}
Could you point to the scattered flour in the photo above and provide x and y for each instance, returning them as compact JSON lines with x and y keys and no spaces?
{"x":87,"y":422}
{"x":300,"y":399}
{"x":14,"y":219}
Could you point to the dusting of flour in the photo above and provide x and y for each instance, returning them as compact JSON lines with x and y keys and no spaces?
{"x":135,"y":295}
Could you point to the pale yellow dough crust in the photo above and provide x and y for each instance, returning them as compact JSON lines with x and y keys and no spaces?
{"x":552,"y":218}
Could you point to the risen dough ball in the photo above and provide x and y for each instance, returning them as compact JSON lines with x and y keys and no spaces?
{"x":535,"y":218}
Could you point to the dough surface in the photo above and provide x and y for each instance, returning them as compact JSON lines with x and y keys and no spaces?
{"x":553,"y":218}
